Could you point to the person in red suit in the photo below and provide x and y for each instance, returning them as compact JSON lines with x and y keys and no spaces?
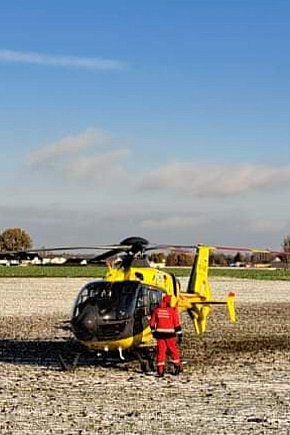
{"x":166,"y":328}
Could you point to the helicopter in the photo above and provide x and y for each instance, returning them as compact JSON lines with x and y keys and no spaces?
{"x":113,"y":314}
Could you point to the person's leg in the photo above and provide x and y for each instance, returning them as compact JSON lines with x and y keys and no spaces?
{"x":161,"y":356}
{"x":175,"y":354}
{"x":151,"y":356}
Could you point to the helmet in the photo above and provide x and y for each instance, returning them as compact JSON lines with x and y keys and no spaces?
{"x":166,"y":300}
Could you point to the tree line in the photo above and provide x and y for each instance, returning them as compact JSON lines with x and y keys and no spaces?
{"x":224,"y":259}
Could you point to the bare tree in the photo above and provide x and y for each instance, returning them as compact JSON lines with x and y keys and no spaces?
{"x":172,"y":259}
{"x":219,"y":259}
{"x":286,"y":249}
{"x":179,"y":259}
{"x":15,"y":239}
{"x":286,"y":244}
{"x":158,"y":257}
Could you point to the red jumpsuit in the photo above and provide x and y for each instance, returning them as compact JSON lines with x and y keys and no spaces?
{"x":165,"y":325}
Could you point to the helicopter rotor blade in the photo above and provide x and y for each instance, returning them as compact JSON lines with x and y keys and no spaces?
{"x":66,"y":248}
{"x":252,"y":250}
{"x":170,"y":247}
{"x":105,"y":256}
{"x":135,"y":245}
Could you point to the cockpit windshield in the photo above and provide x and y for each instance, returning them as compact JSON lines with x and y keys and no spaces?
{"x":114,"y":300}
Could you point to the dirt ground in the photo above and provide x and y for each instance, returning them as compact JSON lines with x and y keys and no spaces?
{"x":236,"y":378}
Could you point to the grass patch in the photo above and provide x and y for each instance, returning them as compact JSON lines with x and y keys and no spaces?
{"x":52,"y":272}
{"x":99,"y":272}
{"x":273,"y":275}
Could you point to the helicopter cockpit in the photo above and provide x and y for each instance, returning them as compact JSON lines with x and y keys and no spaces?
{"x":113,"y":309}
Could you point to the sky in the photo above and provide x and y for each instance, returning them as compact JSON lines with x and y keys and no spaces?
{"x":167,"y":119}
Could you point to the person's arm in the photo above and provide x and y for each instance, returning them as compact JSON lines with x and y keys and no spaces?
{"x":177,"y":325}
{"x":152,"y":322}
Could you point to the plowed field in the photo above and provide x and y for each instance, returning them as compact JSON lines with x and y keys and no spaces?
{"x":236,"y":378}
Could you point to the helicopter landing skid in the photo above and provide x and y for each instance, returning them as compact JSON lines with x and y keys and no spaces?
{"x":144,"y":355}
{"x":68,"y":366}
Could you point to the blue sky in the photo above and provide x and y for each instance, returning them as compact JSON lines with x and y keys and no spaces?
{"x":168,"y":119}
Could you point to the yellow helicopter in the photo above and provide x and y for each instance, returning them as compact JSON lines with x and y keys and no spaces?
{"x":113,"y":314}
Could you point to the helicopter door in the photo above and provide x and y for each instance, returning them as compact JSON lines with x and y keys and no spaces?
{"x":142,"y":311}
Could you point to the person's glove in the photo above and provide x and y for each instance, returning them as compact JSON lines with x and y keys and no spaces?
{"x":179,"y":338}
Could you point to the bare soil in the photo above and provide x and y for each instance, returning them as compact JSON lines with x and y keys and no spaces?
{"x":235,"y":380}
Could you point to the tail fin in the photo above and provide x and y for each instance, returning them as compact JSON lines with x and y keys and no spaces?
{"x":198,"y":281}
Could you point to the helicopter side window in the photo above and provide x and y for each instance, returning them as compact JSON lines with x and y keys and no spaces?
{"x":127,"y":293}
{"x":143,"y":300}
{"x":155,"y":297}
{"x":142,"y":297}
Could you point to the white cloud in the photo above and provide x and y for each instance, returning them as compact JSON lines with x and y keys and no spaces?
{"x":103,"y":168}
{"x":69,"y":145}
{"x":75,"y":158}
{"x":267,"y":226}
{"x":90,"y":63}
{"x":215,"y":180}
{"x":91,"y":158}
{"x":94,"y":196}
{"x":170,"y":222}
{"x":55,"y":224}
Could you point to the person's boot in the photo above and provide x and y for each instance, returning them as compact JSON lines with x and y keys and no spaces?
{"x":160,"y":372}
{"x":177,"y":370}
{"x":151,"y":357}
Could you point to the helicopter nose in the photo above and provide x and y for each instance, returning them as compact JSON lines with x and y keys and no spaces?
{"x":86,"y":325}
{"x":89,"y":323}
{"x":86,"y":328}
